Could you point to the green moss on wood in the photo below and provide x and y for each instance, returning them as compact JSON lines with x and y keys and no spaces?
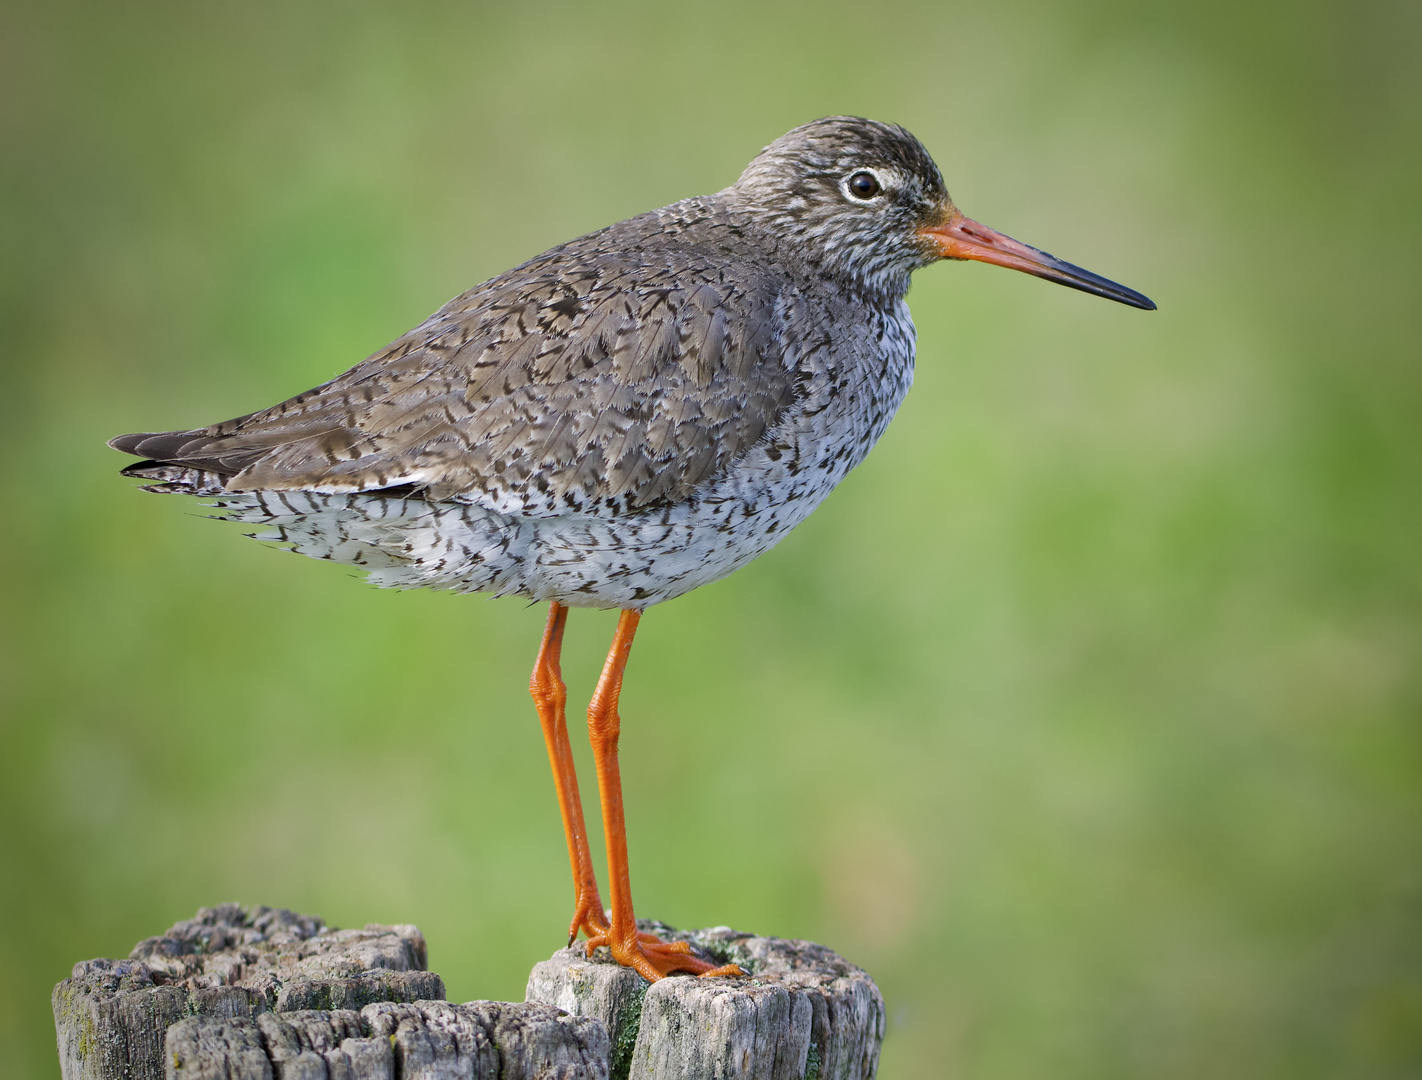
{"x":624,"y":1039}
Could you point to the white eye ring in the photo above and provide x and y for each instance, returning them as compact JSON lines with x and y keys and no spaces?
{"x":863,"y":185}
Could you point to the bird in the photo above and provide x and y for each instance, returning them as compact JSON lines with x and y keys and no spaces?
{"x":629,"y":415}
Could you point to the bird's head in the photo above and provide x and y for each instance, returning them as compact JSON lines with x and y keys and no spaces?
{"x":865,"y":201}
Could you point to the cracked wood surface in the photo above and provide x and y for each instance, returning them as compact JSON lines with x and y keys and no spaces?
{"x":256,"y":993}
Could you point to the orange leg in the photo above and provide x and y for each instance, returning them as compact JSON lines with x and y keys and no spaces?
{"x":550,"y":697}
{"x":650,"y":957}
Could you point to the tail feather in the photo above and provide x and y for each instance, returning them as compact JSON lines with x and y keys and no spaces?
{"x":169,"y":479}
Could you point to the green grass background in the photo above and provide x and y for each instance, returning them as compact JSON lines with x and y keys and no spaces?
{"x":1085,"y":714}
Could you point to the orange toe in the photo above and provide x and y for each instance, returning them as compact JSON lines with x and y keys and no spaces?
{"x":725,"y":971}
{"x":588,"y":919}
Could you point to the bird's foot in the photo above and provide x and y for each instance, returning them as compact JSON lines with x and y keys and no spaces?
{"x":652,"y":958}
{"x":589,"y":918}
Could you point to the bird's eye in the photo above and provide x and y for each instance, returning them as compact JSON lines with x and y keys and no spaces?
{"x":864,"y":185}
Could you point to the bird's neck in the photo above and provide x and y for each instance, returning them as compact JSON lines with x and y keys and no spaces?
{"x":819,"y":252}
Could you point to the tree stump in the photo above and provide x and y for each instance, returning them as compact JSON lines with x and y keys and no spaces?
{"x":242,"y":993}
{"x":230,"y":963}
{"x":801,"y":1011}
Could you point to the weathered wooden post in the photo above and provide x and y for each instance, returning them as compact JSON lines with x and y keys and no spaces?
{"x":240,"y":993}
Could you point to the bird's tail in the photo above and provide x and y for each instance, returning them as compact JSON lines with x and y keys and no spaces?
{"x":165,"y":479}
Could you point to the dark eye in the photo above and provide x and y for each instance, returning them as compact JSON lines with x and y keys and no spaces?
{"x":864,"y":185}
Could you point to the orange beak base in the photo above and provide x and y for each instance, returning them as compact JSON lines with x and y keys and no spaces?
{"x":963,"y":238}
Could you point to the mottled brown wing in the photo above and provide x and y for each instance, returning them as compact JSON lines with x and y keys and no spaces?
{"x":631,"y":376}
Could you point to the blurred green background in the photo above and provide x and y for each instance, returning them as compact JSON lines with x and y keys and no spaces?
{"x":1084,"y":715}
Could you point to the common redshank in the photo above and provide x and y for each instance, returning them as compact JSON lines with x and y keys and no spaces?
{"x":625,"y":417}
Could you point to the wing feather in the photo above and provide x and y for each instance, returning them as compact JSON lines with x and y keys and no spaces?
{"x":594,"y":371}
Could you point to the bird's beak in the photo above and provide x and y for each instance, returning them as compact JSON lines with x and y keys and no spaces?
{"x":961,"y":237}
